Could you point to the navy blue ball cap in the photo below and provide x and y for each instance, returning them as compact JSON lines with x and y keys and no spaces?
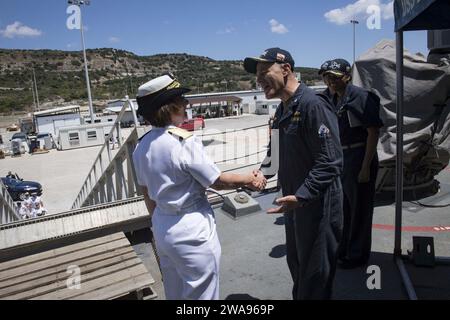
{"x":324,"y":67}
{"x":270,"y":55}
{"x":338,"y":67}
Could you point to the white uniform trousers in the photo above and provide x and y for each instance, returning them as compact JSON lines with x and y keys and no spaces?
{"x":189,"y":251}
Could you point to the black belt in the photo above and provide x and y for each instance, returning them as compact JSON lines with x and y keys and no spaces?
{"x":353,"y":145}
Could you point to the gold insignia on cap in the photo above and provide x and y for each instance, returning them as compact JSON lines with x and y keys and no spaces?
{"x":173,"y":85}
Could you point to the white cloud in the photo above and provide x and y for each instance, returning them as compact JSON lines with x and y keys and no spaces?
{"x":18,"y":29}
{"x":226,"y":30}
{"x":114,"y":39}
{"x":387,"y":11}
{"x":277,"y":27}
{"x":358,"y":10}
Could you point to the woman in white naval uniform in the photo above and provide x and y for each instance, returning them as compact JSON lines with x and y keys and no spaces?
{"x":174,"y":171}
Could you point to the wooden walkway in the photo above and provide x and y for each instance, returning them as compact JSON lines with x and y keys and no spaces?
{"x":107,"y":268}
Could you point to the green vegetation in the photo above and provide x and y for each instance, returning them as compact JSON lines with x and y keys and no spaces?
{"x":113,"y":73}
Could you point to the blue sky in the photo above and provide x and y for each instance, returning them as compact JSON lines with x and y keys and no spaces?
{"x":225,"y":30}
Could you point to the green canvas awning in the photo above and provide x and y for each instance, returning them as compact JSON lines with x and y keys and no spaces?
{"x":421,"y":14}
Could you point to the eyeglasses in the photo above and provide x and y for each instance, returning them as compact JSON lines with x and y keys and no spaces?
{"x":329,"y":77}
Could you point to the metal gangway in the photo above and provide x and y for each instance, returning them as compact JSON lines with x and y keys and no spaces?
{"x":8,"y":209}
{"x":103,"y":206}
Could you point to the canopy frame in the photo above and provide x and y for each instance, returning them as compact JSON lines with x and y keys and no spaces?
{"x":409,"y":15}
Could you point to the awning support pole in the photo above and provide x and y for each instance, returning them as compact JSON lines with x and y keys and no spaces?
{"x":399,"y":143}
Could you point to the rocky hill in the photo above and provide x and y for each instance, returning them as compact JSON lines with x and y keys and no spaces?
{"x":113,"y":74}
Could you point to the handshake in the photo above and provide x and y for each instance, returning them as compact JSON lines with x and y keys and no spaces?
{"x":258,"y":181}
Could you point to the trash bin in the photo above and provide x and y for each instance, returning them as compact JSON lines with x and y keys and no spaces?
{"x":34,"y":144}
{"x":15,"y":146}
{"x":47,"y":143}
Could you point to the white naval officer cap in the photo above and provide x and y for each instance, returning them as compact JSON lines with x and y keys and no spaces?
{"x":156,"y":93}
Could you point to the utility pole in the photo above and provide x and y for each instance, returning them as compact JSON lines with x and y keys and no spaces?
{"x":36,"y":91}
{"x":34,"y":96}
{"x":130,"y":81}
{"x":88,"y":83}
{"x":354,"y":22}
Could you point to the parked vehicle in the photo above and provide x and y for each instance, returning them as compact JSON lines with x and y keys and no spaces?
{"x":17,"y":188}
{"x":193,"y":124}
{"x":20,"y":135}
{"x":19,"y":143}
{"x":16,"y":147}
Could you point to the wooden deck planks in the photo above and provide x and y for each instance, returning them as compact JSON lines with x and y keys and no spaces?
{"x":109,"y":268}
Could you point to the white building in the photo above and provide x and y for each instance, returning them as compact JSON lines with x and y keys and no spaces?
{"x":238,"y":102}
{"x":247,"y":103}
{"x":116,"y":106}
{"x":83,"y":136}
{"x":252,"y":101}
{"x":267,"y":106}
{"x":50,"y":121}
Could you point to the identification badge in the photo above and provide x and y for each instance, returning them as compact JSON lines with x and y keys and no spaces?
{"x":324,"y":132}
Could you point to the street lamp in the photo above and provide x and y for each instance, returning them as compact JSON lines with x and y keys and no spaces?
{"x":79,"y":3}
{"x":354,"y":22}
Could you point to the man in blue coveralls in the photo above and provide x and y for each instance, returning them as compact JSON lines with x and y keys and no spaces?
{"x":359,"y":126}
{"x":309,"y":173}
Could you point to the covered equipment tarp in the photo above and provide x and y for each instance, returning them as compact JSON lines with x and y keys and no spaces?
{"x":426,"y":113}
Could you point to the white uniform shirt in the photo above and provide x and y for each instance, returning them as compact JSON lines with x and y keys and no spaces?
{"x":28,"y":202}
{"x":175,"y":171}
{"x":24,"y":210}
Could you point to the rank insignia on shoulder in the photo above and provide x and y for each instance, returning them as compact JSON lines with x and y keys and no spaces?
{"x":180,"y":134}
{"x":324,"y":132}
{"x":296,"y":117}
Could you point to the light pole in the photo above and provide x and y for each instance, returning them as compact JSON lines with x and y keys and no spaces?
{"x":88,"y":83}
{"x":36,"y":91}
{"x":34,"y":96}
{"x":130,"y":82}
{"x":354,"y":22}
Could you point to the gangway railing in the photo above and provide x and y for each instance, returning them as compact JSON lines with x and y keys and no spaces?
{"x":112,"y":178}
{"x":8,"y":209}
